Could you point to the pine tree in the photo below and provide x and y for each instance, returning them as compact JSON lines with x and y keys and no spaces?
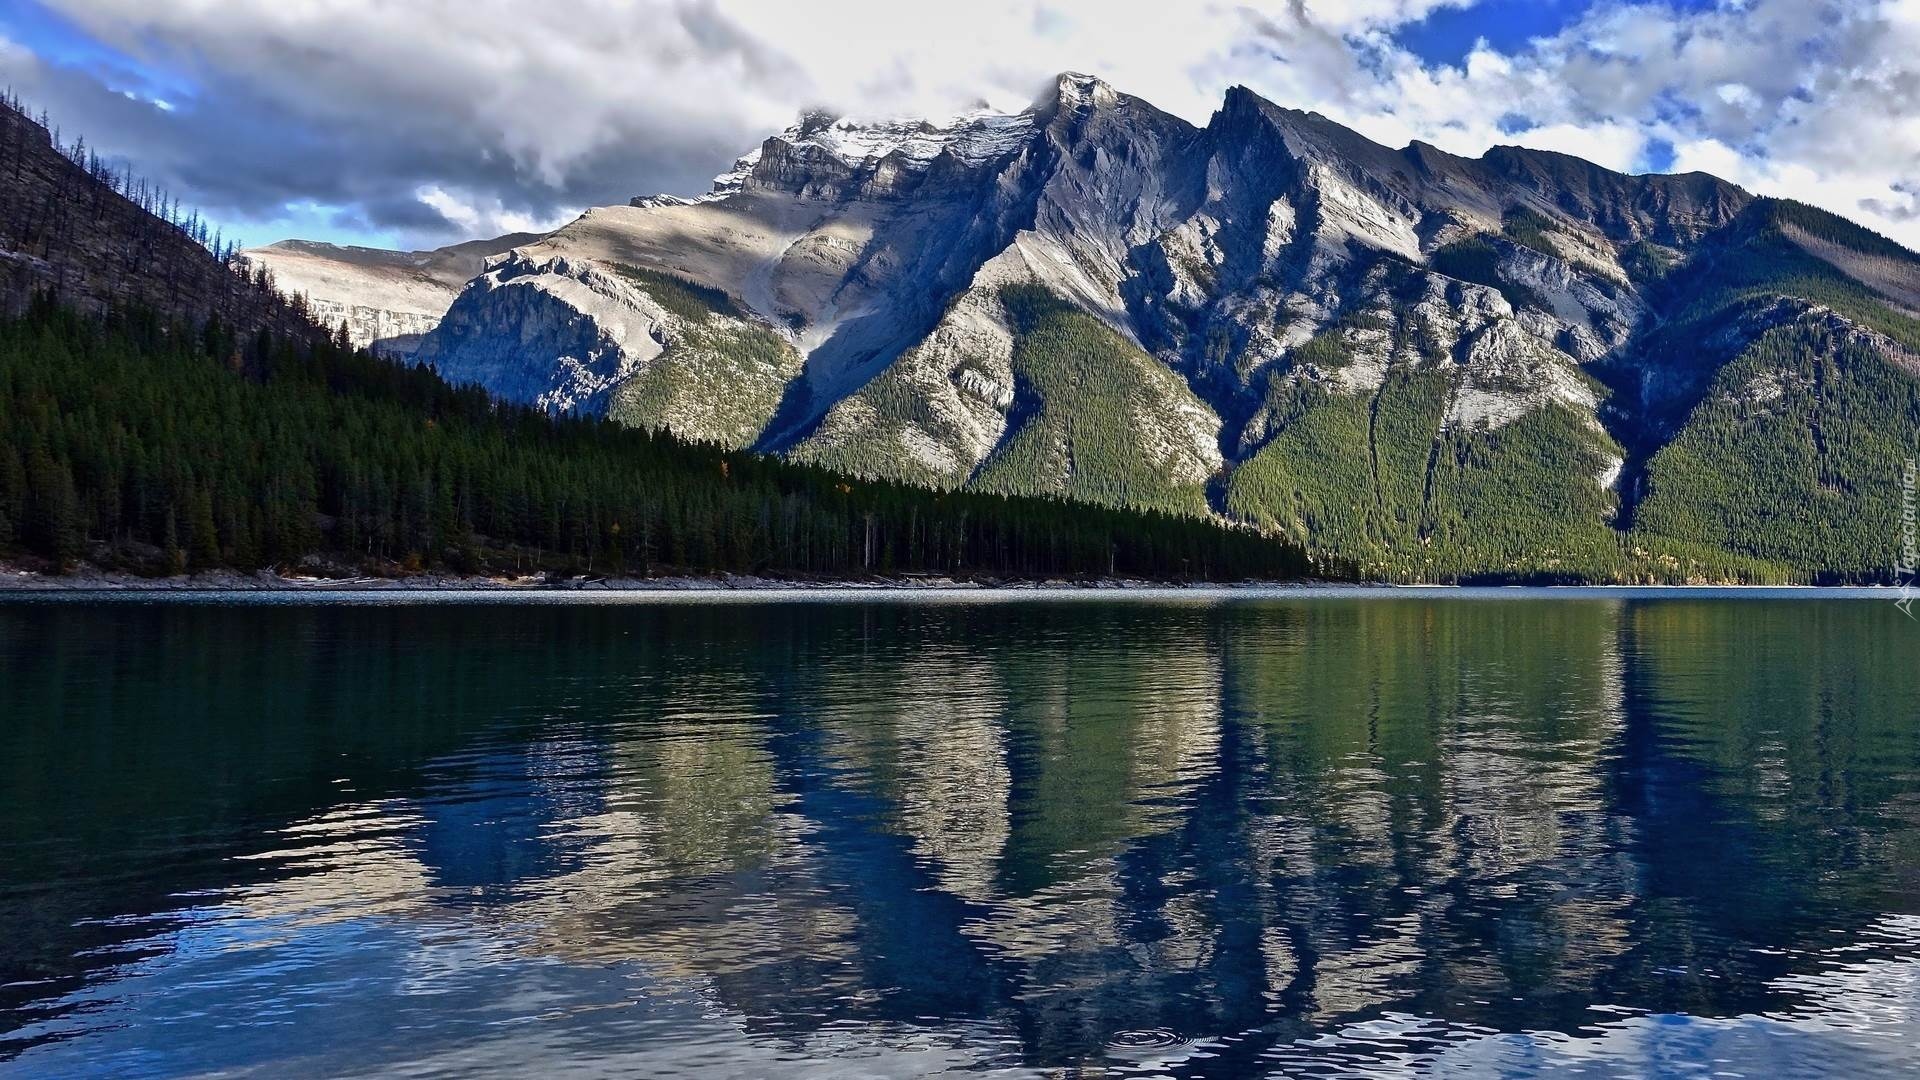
{"x":203,"y":537}
{"x":13,"y":494}
{"x":53,"y":512}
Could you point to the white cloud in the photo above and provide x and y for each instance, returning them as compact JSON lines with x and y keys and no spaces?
{"x":479,"y":215}
{"x":1709,"y":156}
{"x":455,"y":116}
{"x":1617,"y":146}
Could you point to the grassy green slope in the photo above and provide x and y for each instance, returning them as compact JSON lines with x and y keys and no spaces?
{"x":1795,"y":456}
{"x":1759,"y":261}
{"x":1376,"y":479}
{"x":894,"y":405}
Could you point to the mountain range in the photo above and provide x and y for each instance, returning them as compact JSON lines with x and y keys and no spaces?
{"x":166,"y":408}
{"x":1521,"y":365}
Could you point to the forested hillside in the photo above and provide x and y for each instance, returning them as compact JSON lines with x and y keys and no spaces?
{"x":99,"y":238}
{"x":1790,"y":397}
{"x":143,"y":444}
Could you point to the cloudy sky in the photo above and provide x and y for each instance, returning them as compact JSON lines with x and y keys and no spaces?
{"x":419,"y":122}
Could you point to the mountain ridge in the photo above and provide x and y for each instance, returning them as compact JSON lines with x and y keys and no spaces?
{"x":387,"y":300}
{"x":1371,"y":349}
{"x":74,"y":229}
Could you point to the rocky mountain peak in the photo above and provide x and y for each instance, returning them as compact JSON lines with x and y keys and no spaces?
{"x":827,"y":154}
{"x":1245,"y":116}
{"x":1074,"y":90}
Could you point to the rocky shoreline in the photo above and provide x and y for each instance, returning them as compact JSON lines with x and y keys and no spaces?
{"x":20,"y":581}
{"x":87,"y":578}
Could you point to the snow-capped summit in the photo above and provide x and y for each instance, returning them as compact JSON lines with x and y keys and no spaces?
{"x":1071,"y":88}
{"x":825,"y":149}
{"x":836,"y":154}
{"x":826,"y":153}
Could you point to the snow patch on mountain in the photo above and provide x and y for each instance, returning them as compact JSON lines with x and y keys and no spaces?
{"x":972,"y":138}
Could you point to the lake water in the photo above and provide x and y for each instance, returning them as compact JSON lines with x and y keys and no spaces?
{"x":1611,"y":834}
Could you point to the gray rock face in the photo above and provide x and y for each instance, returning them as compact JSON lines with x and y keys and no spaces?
{"x":962,"y":375}
{"x":553,"y":333}
{"x":566,"y":335}
{"x":393,"y":334}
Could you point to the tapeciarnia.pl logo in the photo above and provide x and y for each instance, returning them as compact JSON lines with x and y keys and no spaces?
{"x":1909,"y":557}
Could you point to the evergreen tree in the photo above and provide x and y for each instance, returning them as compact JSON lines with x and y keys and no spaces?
{"x":53,"y":511}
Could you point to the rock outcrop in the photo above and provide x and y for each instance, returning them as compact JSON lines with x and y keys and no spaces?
{"x":567,"y":335}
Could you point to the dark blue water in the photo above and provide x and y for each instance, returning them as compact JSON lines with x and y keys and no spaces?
{"x":1158,"y":836}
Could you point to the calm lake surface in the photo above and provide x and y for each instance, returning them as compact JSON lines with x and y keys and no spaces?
{"x":1197,"y":835}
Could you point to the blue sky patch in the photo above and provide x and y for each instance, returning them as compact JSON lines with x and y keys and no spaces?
{"x":1448,"y":35}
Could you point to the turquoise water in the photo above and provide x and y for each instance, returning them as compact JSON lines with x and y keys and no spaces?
{"x":1601,"y":834}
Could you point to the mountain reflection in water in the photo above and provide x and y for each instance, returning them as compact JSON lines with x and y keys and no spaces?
{"x":1202,"y":837}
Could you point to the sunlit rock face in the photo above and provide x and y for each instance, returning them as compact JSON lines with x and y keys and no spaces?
{"x":387,"y":300}
{"x":552,"y":333}
{"x":569,"y":336}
